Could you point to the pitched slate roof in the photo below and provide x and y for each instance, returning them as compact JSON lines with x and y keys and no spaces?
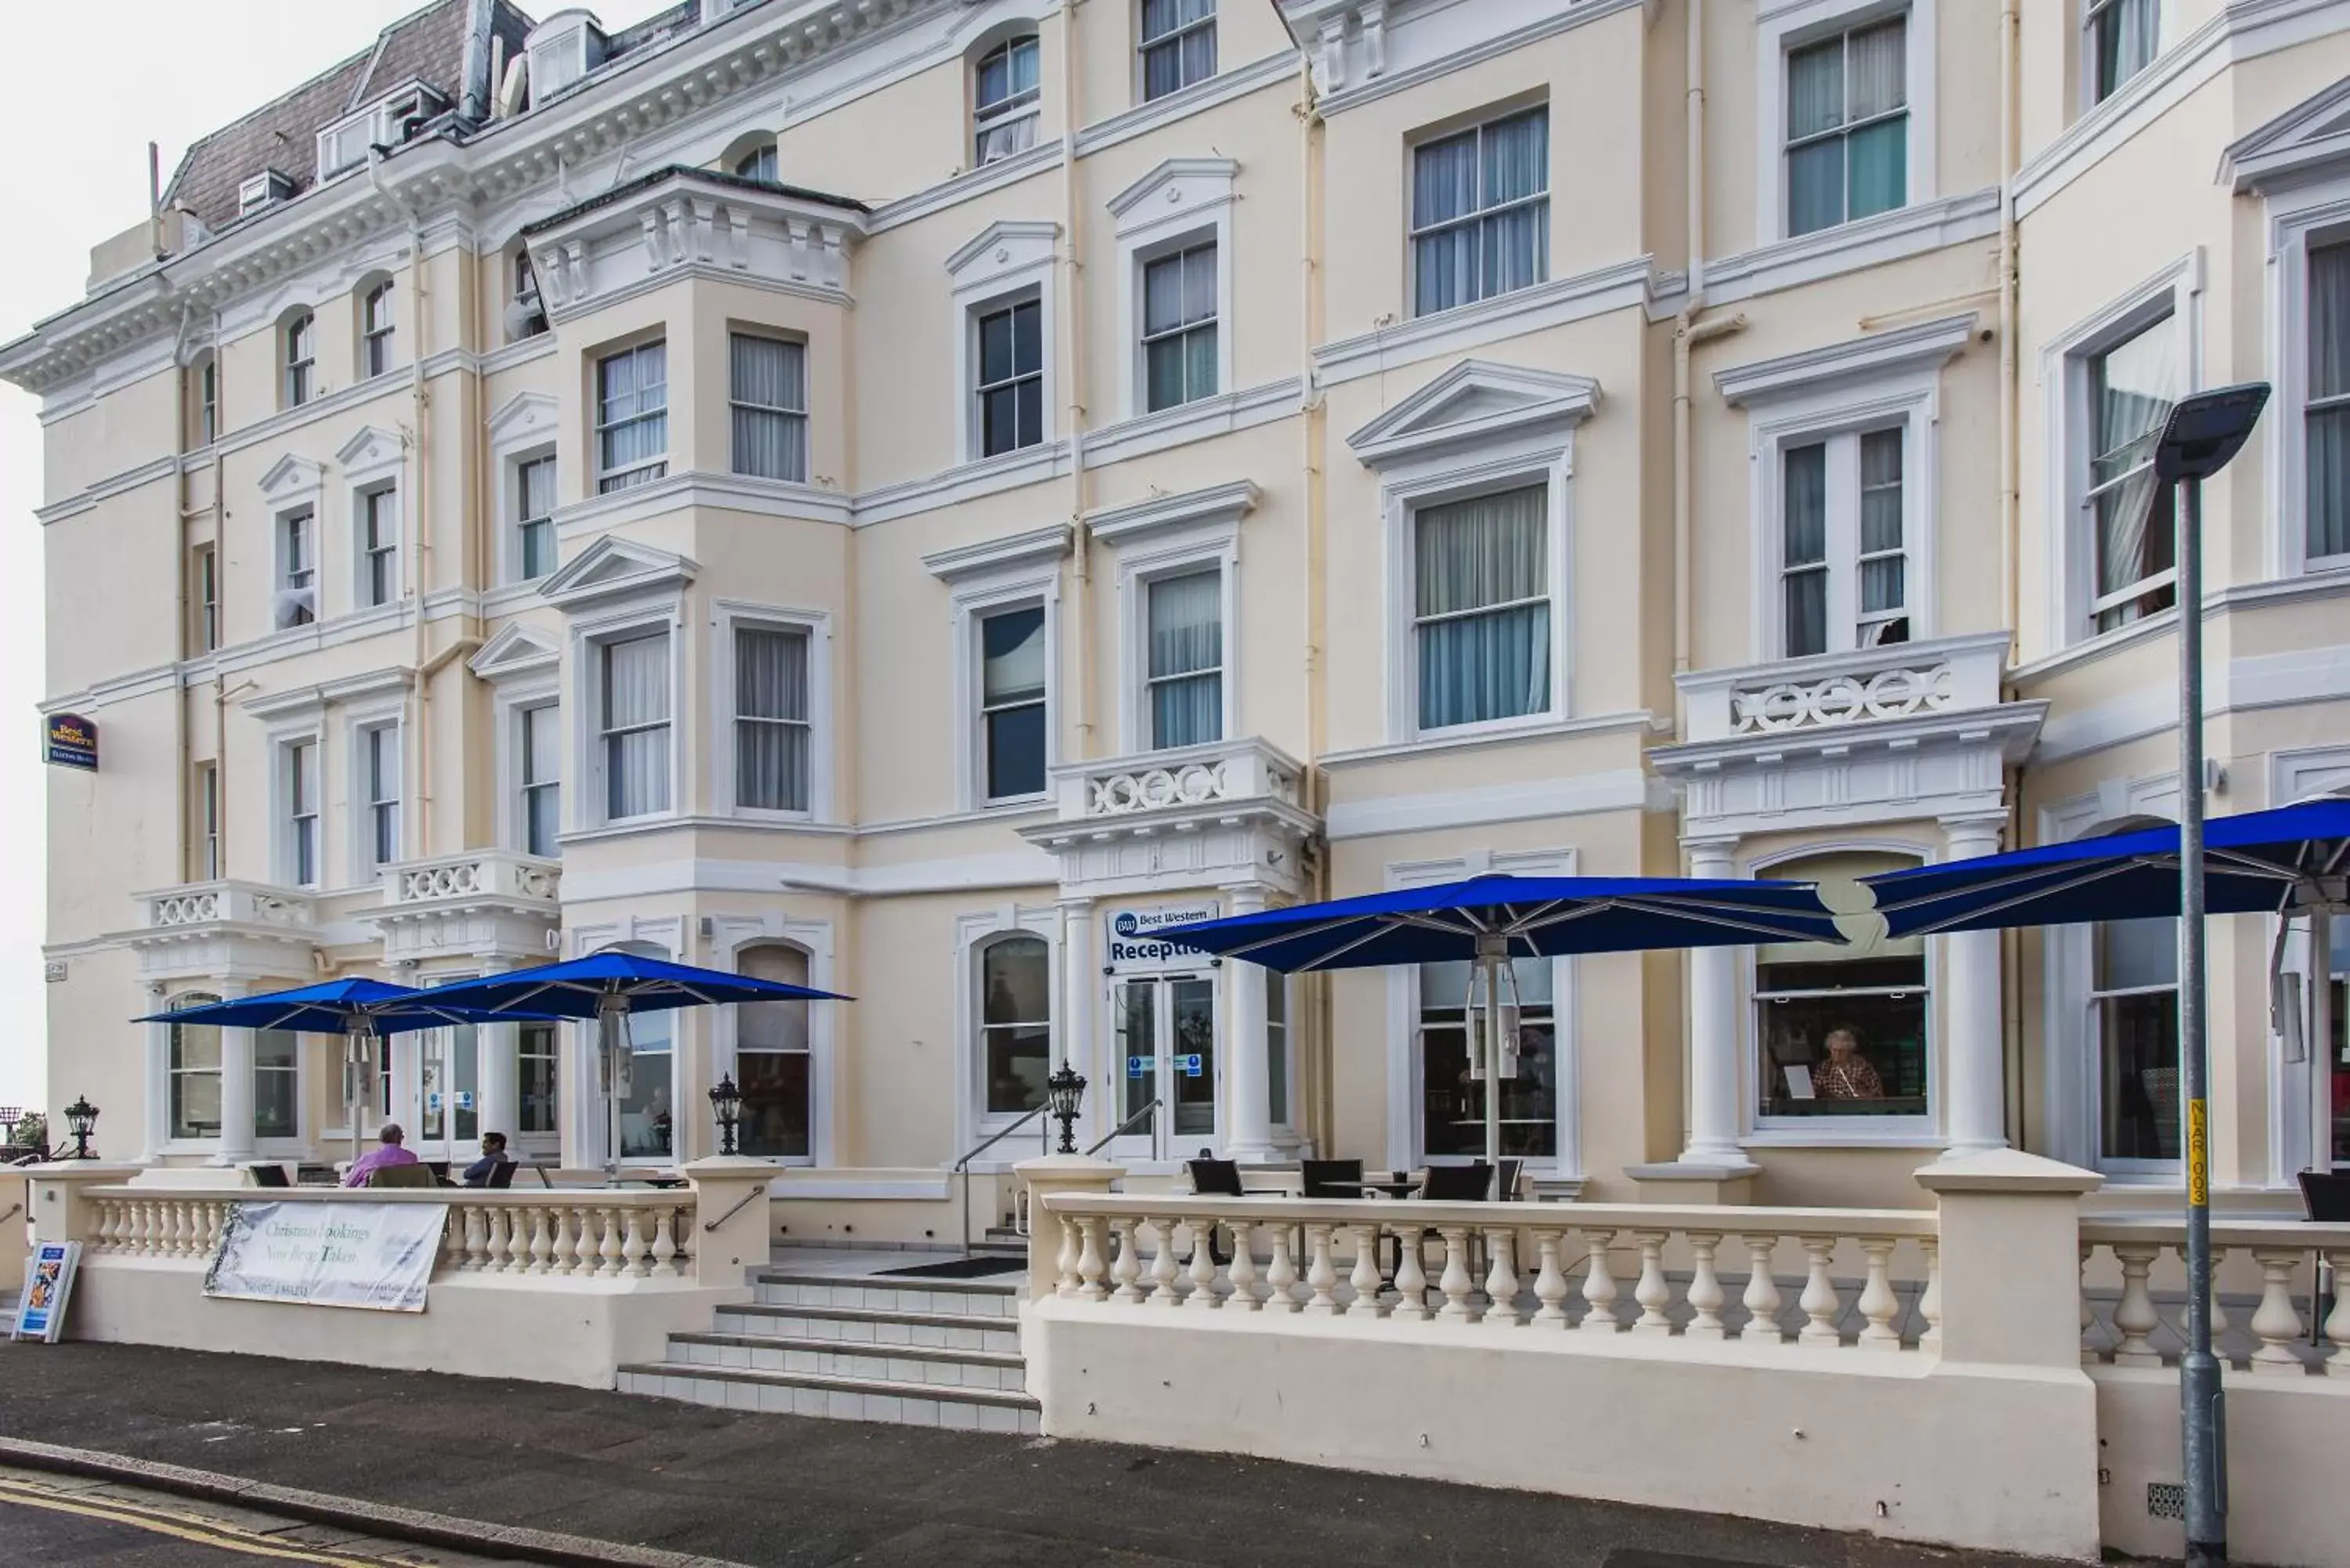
{"x":427,"y":46}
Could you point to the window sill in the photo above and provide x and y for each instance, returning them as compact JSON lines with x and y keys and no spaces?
{"x":1638,"y":720}
{"x":2090,"y":649}
{"x":1622,"y":286}
{"x":1853,"y":1132}
{"x":1782,"y":263}
{"x":1149,"y":115}
{"x":1220,"y":413}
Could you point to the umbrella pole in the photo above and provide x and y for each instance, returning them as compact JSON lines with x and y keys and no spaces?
{"x":2321,"y":1039}
{"x":1489,"y":962}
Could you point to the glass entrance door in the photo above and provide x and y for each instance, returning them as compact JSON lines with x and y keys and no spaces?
{"x":1163,"y":1028}
{"x":449,"y":1069}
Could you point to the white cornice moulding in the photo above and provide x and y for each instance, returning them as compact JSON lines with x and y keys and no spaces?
{"x":1036,"y":546}
{"x":965,"y":481}
{"x":1929,"y":346}
{"x":129,"y":480}
{"x":696,"y":487}
{"x":1475,"y":402}
{"x":1043,"y":158}
{"x":1622,"y":286}
{"x":2309,"y":139}
{"x":613,"y":567}
{"x":1200,"y":97}
{"x":522,"y":419}
{"x":1848,"y":247}
{"x":1210,"y":417}
{"x":1137,"y":520}
{"x":290,"y":478}
{"x":370,"y":453}
{"x":1349,"y":42}
{"x":301,"y":702}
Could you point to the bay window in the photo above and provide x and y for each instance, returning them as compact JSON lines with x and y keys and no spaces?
{"x":1481,"y":616}
{"x":194,"y":1068}
{"x":1841,"y":1033}
{"x":768,"y":394}
{"x":635,"y":725}
{"x":1847,"y":127}
{"x":1481,"y":211}
{"x":772,"y":729}
{"x":631,"y":417}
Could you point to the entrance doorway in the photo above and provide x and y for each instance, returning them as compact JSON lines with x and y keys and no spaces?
{"x":1164,"y":1030}
{"x":449,"y":1096}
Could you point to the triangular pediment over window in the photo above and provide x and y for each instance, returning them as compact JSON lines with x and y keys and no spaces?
{"x":524,"y":417}
{"x":1475,"y":403}
{"x":614,"y":568}
{"x":2308,"y":140}
{"x":292,"y":476}
{"x":519,"y":650}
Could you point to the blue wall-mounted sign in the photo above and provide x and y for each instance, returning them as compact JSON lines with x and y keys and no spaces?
{"x":1189,"y":1064}
{"x":72,"y":742}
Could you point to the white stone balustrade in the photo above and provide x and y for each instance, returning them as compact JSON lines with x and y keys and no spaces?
{"x":1822,"y":1279}
{"x":1241,"y":771}
{"x":566,"y":1235}
{"x":2133,"y":1298}
{"x":1828,"y":692}
{"x":227,"y":902}
{"x":499,"y":873}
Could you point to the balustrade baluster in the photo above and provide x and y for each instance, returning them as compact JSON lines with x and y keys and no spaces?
{"x":1065,"y":1258}
{"x":1412,"y":1274}
{"x":2135,"y":1319}
{"x":1501,"y":1278}
{"x":1705,"y":1293}
{"x":610,"y":1254}
{"x":1455,"y":1281}
{"x":1366,"y":1277}
{"x":477,"y":1239}
{"x":101,"y":1230}
{"x":1203,"y":1264}
{"x":1280,"y":1273}
{"x":2088,"y":1311}
{"x":1598,"y":1285}
{"x":1929,"y":1303}
{"x":1550,"y":1282}
{"x":2277,"y":1323}
{"x":1819,"y":1300}
{"x":2337,"y":1322}
{"x":636,"y":1247}
{"x":1652,"y":1293}
{"x":1242,"y":1270}
{"x":143,"y":1232}
{"x":542,"y":1245}
{"x":497,"y":1222}
{"x":673,"y":1231}
{"x":1878,"y":1304}
{"x":1126,"y":1269}
{"x":1162,"y":1265}
{"x":583,"y":1243}
{"x":1321,"y":1273}
{"x":1091,"y":1262}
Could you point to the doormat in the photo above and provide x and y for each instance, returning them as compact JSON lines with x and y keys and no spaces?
{"x":959,"y":1269}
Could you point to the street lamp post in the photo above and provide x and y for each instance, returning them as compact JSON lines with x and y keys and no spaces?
{"x":2204,"y":432}
{"x":81,"y":1119}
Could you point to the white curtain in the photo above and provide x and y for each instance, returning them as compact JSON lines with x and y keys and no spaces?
{"x":1878,"y":154}
{"x":2125,"y":35}
{"x":536,"y":482}
{"x":2328,"y":430}
{"x":770,"y":399}
{"x":1804,"y":550}
{"x":542,"y":773}
{"x":1815,"y":101}
{"x":771,"y":724}
{"x":1881,"y":566}
{"x":632,"y":414}
{"x":1187,"y":656}
{"x":636,"y":725}
{"x":2132,"y":387}
{"x":1484,"y":571}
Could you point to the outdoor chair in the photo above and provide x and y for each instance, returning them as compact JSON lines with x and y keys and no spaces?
{"x":1216,"y":1179}
{"x":1506,"y":1190}
{"x":1471,"y":1183}
{"x":2325,"y":1197}
{"x":1331,"y":1178}
{"x":502,"y":1175}
{"x":271,"y":1173}
{"x":402,"y":1176}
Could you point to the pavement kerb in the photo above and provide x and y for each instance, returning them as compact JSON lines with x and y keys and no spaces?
{"x":472,"y":1536}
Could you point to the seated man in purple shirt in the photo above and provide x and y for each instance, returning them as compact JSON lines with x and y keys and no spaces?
{"x":387,"y":1152}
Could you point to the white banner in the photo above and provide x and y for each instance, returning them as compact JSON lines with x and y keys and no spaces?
{"x":375,"y":1255}
{"x":1132,"y":935}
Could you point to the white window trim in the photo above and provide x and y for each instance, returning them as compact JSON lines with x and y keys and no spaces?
{"x":362,"y":723}
{"x":2068,"y":1027}
{"x":1790,"y":25}
{"x":1004,"y":265}
{"x":974,"y":932}
{"x":730,"y":934}
{"x":1910,"y":403}
{"x":1212,"y":23}
{"x":1182,"y":202}
{"x":2176,"y":290}
{"x":2085,"y":89}
{"x":280,"y":743}
{"x":1759,"y":1131}
{"x":1404,"y":1143}
{"x":727,"y":617}
{"x":596,"y":426}
{"x":511,"y":702}
{"x":371,"y":464}
{"x":2297,"y":217}
{"x":291,"y":486}
{"x":1445,"y":130}
{"x":1001,"y":575}
{"x":521,"y":431}
{"x":1547,"y":461}
{"x":981,"y":120}
{"x":585,"y":805}
{"x":1176,"y":551}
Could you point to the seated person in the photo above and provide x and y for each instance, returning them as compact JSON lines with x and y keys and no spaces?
{"x":494,"y":1155}
{"x":387,"y":1152}
{"x":1846,"y":1074}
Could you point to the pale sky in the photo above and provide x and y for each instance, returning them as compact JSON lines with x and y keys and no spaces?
{"x":81,"y":95}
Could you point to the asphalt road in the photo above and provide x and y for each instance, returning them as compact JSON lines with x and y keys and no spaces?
{"x":809,"y":1493}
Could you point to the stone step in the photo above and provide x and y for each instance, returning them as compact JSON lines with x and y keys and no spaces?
{"x":996,"y":1371}
{"x":871,"y":1326}
{"x":844,"y":1399}
{"x":944,"y":1298}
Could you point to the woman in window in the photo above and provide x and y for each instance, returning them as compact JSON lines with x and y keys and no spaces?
{"x":1846,"y":1074}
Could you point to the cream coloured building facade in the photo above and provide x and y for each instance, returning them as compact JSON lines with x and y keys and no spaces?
{"x":914,"y":495}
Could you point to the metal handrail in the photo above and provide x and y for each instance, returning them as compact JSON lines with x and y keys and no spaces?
{"x":963,"y":1165}
{"x":1125,"y":1127}
{"x":746,"y":1202}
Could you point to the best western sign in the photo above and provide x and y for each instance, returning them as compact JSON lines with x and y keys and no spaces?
{"x":69,"y":741}
{"x":1135,"y":947}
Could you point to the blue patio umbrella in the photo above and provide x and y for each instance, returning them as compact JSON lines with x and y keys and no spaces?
{"x":608,"y":986}
{"x":1490,"y":920}
{"x":359,"y":1009}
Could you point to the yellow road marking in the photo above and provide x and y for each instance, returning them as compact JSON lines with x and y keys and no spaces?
{"x":223,"y":1537}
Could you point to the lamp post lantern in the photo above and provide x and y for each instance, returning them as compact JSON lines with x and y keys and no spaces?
{"x":1065,"y":1091}
{"x":726,"y":1101}
{"x":81,"y":1119}
{"x":2203,"y":433}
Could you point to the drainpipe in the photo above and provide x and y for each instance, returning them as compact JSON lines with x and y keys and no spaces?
{"x":1313,"y":415}
{"x":1073,"y":365}
{"x":2010,"y":23}
{"x":183,"y":737}
{"x":417,"y":548}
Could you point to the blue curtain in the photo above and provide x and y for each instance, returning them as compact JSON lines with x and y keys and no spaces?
{"x":1483,"y":615}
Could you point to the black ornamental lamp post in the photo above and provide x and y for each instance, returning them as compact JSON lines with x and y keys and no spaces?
{"x":81,"y":1118}
{"x":1065,"y":1091}
{"x":726,"y":1102}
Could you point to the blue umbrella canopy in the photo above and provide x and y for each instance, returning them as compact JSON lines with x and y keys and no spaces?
{"x":607,"y":982}
{"x":2285,"y":861}
{"x":353,"y":1006}
{"x":1500,"y":916}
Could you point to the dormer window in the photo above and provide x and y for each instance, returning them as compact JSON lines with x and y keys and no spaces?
{"x":264,"y":189}
{"x":1006,"y":99}
{"x":389,"y":121}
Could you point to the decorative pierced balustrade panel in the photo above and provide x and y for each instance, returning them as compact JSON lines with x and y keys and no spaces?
{"x":1899,"y":692}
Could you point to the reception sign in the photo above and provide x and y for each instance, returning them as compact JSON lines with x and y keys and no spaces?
{"x":71,"y":741}
{"x":377,"y":1255}
{"x":1135,"y":945}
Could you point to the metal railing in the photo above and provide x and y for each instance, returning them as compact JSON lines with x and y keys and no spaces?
{"x":1147,"y":1113}
{"x":962,"y":1165}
